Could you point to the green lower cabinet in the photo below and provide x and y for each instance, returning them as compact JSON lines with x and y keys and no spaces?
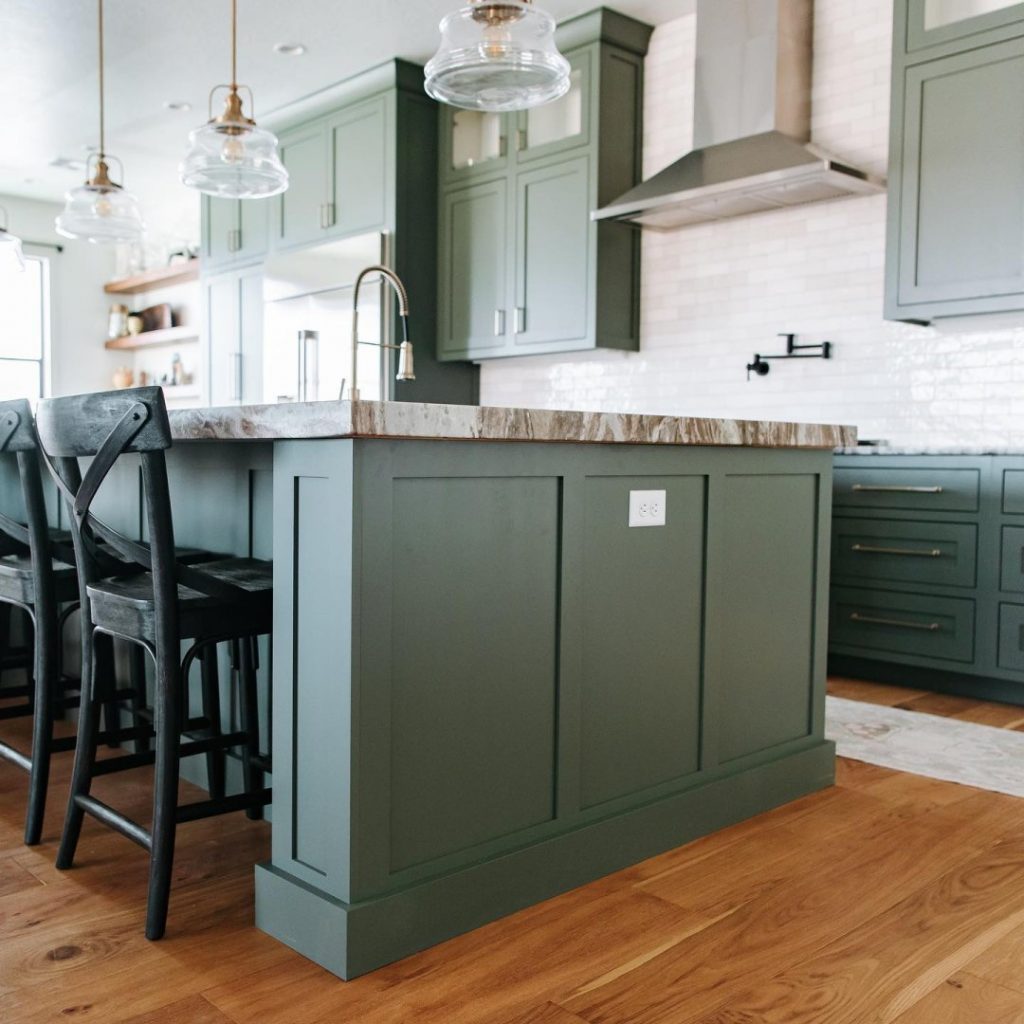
{"x":928,"y":572}
{"x":489,"y":688}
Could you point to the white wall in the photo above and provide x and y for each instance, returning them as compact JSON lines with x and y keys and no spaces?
{"x":714,"y":294}
{"x":78,"y":361}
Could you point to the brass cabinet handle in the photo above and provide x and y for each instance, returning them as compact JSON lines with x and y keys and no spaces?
{"x":521,"y":139}
{"x":499,"y":322}
{"x":897,"y":488}
{"x":520,"y":319}
{"x":931,"y":627}
{"x":869,"y":549}
{"x":503,"y":145}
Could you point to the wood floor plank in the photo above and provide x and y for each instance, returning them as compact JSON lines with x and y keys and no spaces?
{"x":941,"y":704}
{"x":1003,"y":962}
{"x":871,"y":693}
{"x":966,"y":999}
{"x":884,"y":967}
{"x":872,"y":873}
{"x":191,"y":1010}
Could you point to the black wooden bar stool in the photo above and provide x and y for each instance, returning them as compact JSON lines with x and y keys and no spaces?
{"x":32,"y":579}
{"x":207,"y":604}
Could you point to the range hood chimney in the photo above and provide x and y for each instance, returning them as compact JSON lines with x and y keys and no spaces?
{"x":751,"y":124}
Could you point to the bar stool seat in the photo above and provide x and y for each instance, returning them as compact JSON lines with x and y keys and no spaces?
{"x":17,"y":580}
{"x":126,"y":606}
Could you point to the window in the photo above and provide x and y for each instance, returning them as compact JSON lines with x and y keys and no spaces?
{"x":25,"y":302}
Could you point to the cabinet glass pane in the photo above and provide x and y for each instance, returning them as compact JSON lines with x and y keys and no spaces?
{"x":476,"y":137}
{"x":938,"y":13}
{"x":556,"y":121}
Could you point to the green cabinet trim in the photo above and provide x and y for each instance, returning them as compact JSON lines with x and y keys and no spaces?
{"x":965,"y":29}
{"x":233,"y":319}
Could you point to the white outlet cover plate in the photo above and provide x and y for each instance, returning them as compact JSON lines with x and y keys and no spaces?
{"x":646,"y":508}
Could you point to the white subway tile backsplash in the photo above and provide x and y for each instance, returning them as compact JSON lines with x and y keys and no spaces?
{"x":714,"y":294}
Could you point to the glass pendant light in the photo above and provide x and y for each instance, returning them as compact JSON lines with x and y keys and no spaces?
{"x":229,"y":155}
{"x":497,"y":56}
{"x":11,"y":259}
{"x":101,"y":210}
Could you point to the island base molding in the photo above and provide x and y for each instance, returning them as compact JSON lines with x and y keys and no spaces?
{"x":352,"y":939}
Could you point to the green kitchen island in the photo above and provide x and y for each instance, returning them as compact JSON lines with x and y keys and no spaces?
{"x":488,"y":687}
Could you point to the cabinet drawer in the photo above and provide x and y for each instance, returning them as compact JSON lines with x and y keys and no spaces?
{"x":930,"y":490}
{"x":913,"y":624}
{"x":1011,"y":570}
{"x":1011,"y":636}
{"x":906,"y":552}
{"x":1013,"y":491}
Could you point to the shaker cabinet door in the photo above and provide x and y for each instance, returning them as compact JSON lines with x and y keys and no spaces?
{"x":359,"y":150}
{"x":552,"y":256}
{"x":960,"y":191}
{"x":473,"y":287}
{"x":303,"y":208}
{"x":220,"y":228}
{"x":224,"y":340}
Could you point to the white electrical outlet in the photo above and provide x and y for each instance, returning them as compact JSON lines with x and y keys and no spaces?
{"x":646,"y":508}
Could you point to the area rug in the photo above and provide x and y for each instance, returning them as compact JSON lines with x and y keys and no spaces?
{"x":941,"y":748}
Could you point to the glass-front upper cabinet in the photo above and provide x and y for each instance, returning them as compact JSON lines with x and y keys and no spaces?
{"x":562,"y":124}
{"x":474,"y":142}
{"x":938,"y":21}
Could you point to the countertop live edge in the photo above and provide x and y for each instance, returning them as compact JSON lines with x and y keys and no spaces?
{"x":415,"y":421}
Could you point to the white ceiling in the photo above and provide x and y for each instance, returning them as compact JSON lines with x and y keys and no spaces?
{"x":158,"y":52}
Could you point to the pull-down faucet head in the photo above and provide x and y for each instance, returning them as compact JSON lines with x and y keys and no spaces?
{"x":405,"y":357}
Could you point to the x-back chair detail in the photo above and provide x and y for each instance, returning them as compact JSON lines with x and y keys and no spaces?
{"x":160,"y":604}
{"x":32,"y":580}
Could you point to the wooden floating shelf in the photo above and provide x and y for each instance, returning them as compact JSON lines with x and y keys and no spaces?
{"x":177,"y":273}
{"x":150,"y":339}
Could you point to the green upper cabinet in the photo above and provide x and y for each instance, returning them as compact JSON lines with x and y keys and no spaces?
{"x":522,"y":267}
{"x":956,"y":178}
{"x":341,"y":174}
{"x":474,"y":238}
{"x":234,"y":231}
{"x":359,"y":161}
{"x":304,"y":208}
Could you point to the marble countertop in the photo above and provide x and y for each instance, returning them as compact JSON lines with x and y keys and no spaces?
{"x":409,"y":420}
{"x":886,"y":449}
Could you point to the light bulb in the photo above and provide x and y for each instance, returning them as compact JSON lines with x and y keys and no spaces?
{"x":102,"y":207}
{"x":233,"y":150}
{"x":497,"y":39}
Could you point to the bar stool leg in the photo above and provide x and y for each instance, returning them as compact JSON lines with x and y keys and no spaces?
{"x":215,"y":759}
{"x":47,"y":684}
{"x":85,"y":751}
{"x":249,"y":707}
{"x":165,"y":791}
{"x":137,"y":681}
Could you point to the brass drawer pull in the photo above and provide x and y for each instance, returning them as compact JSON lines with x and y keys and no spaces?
{"x":868,"y":549}
{"x":897,"y":488}
{"x":870,"y":620}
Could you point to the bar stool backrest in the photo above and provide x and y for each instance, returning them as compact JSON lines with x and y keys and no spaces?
{"x":18,"y":438}
{"x":107,"y":426}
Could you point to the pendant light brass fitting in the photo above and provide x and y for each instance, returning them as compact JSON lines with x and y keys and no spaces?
{"x":232,"y":120}
{"x":489,"y":13}
{"x":101,"y":178}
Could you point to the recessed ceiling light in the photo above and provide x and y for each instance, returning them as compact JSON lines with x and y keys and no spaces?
{"x":177,"y":105}
{"x":289,"y":49}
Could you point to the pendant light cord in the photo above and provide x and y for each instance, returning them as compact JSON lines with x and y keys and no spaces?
{"x":102,"y":152}
{"x":234,"y":43}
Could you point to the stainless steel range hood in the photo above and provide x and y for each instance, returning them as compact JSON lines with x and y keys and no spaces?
{"x":752,"y":121}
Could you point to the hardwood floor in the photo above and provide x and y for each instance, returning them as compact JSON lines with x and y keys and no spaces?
{"x":887,"y":898}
